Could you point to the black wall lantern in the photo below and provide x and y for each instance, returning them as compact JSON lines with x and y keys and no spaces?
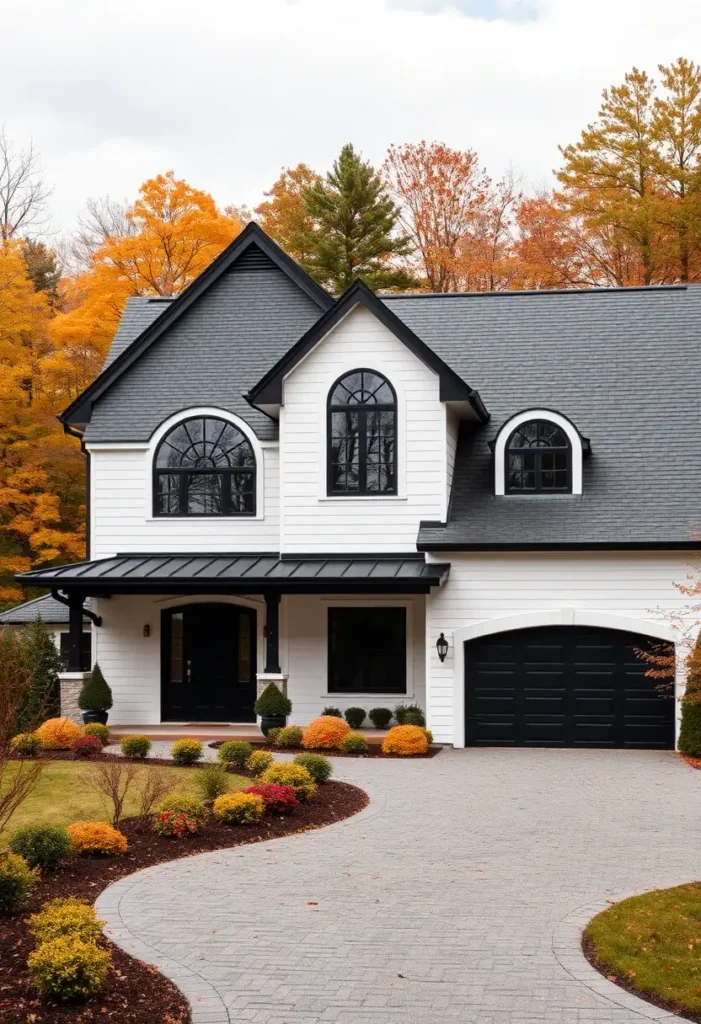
{"x":147,"y":630}
{"x":442,"y":647}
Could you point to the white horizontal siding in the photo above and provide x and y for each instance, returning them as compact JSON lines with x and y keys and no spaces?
{"x":639,"y":586}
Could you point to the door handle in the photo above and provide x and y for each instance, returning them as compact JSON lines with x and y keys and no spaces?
{"x":189,"y":671}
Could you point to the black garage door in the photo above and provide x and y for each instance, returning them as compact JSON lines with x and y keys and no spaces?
{"x":564,"y":686}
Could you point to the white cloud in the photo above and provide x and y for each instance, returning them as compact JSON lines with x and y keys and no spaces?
{"x":226,"y":92}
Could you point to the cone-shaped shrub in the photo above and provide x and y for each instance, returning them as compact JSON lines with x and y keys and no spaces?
{"x":690,"y":731}
{"x":96,"y":694}
{"x":272,"y":702}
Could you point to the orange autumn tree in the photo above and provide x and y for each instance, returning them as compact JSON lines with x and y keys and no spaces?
{"x":284,"y":214}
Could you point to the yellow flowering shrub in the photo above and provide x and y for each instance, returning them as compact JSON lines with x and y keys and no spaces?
{"x":65,"y":917}
{"x":58,"y":733}
{"x":405,"y":740}
{"x":260,"y":761}
{"x":97,"y":837}
{"x":238,"y":808}
{"x":325,"y":732}
{"x":68,"y":968}
{"x":295,"y":775}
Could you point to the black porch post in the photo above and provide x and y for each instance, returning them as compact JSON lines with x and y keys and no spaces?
{"x":272,"y":632}
{"x":75,"y":631}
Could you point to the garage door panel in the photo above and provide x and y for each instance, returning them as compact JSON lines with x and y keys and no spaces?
{"x":564,"y":686}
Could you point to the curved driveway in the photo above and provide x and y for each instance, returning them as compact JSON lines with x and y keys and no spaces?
{"x":458,"y":895}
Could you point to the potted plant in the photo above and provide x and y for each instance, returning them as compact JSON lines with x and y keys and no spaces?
{"x":95,"y":698}
{"x":273,"y":707}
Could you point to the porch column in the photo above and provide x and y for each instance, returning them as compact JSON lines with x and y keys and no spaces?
{"x":75,"y":631}
{"x":272,"y":633}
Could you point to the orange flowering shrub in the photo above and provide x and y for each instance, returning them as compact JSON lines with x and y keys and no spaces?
{"x":405,"y":740}
{"x":97,"y":837}
{"x":326,"y":732}
{"x":58,"y":734}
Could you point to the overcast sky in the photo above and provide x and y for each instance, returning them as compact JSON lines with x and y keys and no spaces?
{"x":227,"y":92}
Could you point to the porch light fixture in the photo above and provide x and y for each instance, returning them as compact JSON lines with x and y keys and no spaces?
{"x":147,"y":630}
{"x":442,"y":647}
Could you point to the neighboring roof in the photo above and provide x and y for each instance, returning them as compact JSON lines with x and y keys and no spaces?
{"x":268,"y":390}
{"x":230,"y":573}
{"x":49,"y":610}
{"x":622,"y":364}
{"x":259,"y":302}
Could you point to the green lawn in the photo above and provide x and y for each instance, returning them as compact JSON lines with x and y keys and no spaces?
{"x":61,"y":797}
{"x":654,"y":943}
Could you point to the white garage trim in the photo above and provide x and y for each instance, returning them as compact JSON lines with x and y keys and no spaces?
{"x":547,"y":617}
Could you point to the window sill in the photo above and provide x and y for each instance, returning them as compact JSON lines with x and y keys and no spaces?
{"x":342,"y":499}
{"x":399,"y":697}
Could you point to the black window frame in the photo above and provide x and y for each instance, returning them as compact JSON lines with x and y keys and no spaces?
{"x":356,"y":627}
{"x":362,"y":411}
{"x":182,"y":474}
{"x":85,"y":649}
{"x":537,"y":452}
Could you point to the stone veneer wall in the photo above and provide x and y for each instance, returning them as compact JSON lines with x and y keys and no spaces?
{"x":71,"y":685}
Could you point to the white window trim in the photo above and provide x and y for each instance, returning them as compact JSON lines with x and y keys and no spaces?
{"x":222,"y":414}
{"x":368,"y":602}
{"x":537,"y":414}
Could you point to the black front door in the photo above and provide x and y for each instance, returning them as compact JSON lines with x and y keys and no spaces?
{"x":208,"y":663}
{"x":564,"y":686}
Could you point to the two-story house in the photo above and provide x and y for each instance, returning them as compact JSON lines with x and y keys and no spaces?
{"x":478,"y":502}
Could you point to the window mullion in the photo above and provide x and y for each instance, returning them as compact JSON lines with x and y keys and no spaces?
{"x":226,"y":481}
{"x":362,"y":452}
{"x":182,"y":492}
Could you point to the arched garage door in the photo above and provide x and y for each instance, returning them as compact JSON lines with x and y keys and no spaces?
{"x":564,"y":686}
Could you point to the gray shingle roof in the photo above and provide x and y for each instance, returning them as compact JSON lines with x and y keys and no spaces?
{"x":137,"y":316}
{"x":623,"y":365}
{"x":50,"y":611}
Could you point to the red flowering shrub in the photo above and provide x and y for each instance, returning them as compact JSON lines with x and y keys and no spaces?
{"x":86,"y":746}
{"x":276,"y":799}
{"x":174,"y":823}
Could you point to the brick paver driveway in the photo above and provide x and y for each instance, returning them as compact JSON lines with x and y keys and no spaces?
{"x":457,"y":896}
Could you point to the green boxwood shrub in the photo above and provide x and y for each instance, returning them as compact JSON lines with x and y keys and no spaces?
{"x":332,"y":712}
{"x":273,"y":701}
{"x":290,"y":737}
{"x":354,"y":743}
{"x":409,"y":714}
{"x":136,"y":746}
{"x":273,"y":735}
{"x":380,"y":717}
{"x":355,"y":717}
{"x":319,"y":767}
{"x":42,"y":846}
{"x":212,"y":780}
{"x":99,"y":730}
{"x":95,"y":694}
{"x":236,"y":752}
{"x":187,"y":751}
{"x":184,"y":803}
{"x":26,"y":744}
{"x":690,"y":729}
{"x":16,"y":879}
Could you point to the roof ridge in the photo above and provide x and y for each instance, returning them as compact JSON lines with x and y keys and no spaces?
{"x":539,"y":291}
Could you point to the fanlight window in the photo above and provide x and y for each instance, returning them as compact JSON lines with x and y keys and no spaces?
{"x":205,"y":467}
{"x":362,"y":445}
{"x":538,"y":459}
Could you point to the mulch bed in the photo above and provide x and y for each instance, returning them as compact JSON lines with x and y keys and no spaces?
{"x":374,"y":750}
{"x":628,"y":983}
{"x":135,"y":993}
{"x":693,"y":762}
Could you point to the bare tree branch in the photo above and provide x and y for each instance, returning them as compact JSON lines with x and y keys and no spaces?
{"x":23,"y":194}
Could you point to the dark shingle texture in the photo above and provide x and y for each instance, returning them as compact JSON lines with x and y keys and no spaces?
{"x":52,"y":612}
{"x":137,"y":316}
{"x":625,"y":366}
{"x":212,"y":355}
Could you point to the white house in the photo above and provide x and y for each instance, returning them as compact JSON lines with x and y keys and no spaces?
{"x":283,"y":485}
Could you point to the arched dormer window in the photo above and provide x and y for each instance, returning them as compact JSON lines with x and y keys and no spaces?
{"x":204,"y":466}
{"x":362,"y":435}
{"x":539,"y":451}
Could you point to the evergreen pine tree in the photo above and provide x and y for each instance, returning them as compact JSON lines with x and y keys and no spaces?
{"x":44,"y":660}
{"x":690,"y":731}
{"x":354,"y":233}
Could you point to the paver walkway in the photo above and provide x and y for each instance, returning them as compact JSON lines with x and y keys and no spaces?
{"x":458,"y":895}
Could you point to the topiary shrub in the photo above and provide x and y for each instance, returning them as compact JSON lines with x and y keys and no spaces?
{"x":236,"y":752}
{"x":290,"y":737}
{"x":355,"y":717}
{"x":295,"y":775}
{"x":68,"y":968}
{"x":68,"y":916}
{"x":42,"y":846}
{"x":276,"y":799}
{"x":325,"y":732}
{"x":273,"y":735}
{"x":95,"y":694}
{"x":405,"y":740}
{"x":273,"y":703}
{"x":259,"y":761}
{"x":354,"y":743}
{"x":58,"y":734}
{"x":186,"y":751}
{"x":136,"y":746}
{"x":86,"y":747}
{"x":97,"y":837}
{"x":16,"y":879}
{"x":174,"y":824}
{"x":332,"y":712}
{"x":409,"y":714}
{"x":212,"y":781}
{"x":318,"y":766}
{"x":184,"y":803}
{"x":380,"y":717}
{"x":99,"y":730}
{"x":690,"y":729}
{"x":26,"y":744}
{"x":239,"y":808}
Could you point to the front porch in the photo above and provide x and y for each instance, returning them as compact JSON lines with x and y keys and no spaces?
{"x":210,"y":733}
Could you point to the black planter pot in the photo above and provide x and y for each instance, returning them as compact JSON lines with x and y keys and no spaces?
{"x":95,"y":716}
{"x":268,"y":722}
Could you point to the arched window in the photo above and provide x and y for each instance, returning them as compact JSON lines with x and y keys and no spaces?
{"x":362,"y":442}
{"x":538,"y":459}
{"x":204,"y":467}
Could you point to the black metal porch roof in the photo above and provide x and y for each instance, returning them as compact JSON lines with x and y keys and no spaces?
{"x":238,"y":573}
